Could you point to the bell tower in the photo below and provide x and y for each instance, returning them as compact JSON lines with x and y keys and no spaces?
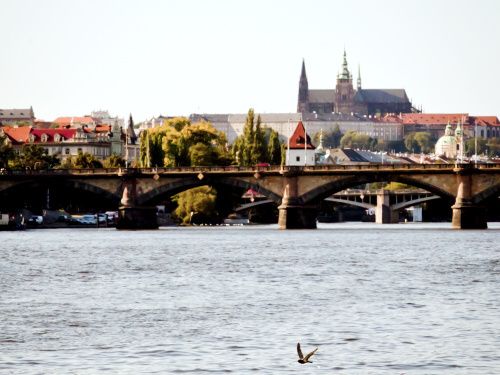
{"x":344,"y":92}
{"x":303,"y":102}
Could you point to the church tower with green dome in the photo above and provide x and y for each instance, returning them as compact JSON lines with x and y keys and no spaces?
{"x":344,"y":91}
{"x":451,"y":144}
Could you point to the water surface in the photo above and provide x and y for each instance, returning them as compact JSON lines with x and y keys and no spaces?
{"x":376,"y":299}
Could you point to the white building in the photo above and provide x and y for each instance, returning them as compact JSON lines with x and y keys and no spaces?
{"x":300,"y":151}
{"x":284,"y":124}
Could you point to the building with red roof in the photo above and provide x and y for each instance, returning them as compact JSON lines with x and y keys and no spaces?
{"x":300,"y":150}
{"x":64,"y":122}
{"x":435,"y":123}
{"x":64,"y":142}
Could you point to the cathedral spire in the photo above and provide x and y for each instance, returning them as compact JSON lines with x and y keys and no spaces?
{"x":345,"y":70}
{"x":303,"y":102}
{"x":359,"y":78}
{"x":303,"y":75}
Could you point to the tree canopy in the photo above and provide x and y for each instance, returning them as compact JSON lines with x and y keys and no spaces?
{"x":33,"y":156}
{"x":6,"y":152}
{"x":256,"y":144}
{"x":419,"y":142}
{"x":196,"y":205}
{"x":178,"y":143}
{"x":353,"y":139}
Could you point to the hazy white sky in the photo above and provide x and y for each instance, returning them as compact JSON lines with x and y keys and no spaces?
{"x":69,"y":57}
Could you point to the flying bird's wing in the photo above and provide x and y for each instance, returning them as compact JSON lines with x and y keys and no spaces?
{"x":299,"y":352}
{"x":306,"y":358}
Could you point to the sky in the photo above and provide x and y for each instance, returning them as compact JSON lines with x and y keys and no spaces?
{"x":169,"y":57}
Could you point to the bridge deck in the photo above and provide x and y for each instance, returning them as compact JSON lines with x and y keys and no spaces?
{"x":317,"y":169}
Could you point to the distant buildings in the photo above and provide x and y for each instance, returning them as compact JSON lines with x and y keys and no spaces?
{"x":23,"y":116}
{"x":99,"y":142}
{"x":284,"y":124}
{"x":99,"y":134}
{"x":347,"y":100}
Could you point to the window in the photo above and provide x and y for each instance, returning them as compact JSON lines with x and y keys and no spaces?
{"x":66,"y":151}
{"x":44,"y":137}
{"x":297,"y":158}
{"x":79,"y":149}
{"x":57,"y":137}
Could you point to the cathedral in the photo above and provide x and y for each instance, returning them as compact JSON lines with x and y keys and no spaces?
{"x":345,"y":99}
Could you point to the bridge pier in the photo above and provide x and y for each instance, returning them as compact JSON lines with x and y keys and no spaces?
{"x":131,"y":216}
{"x":292,"y":213}
{"x":383,"y":213}
{"x":466,"y":214}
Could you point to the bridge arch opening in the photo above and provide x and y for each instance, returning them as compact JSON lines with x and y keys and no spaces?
{"x":337,"y":208}
{"x":69,"y":195}
{"x":229,"y":195}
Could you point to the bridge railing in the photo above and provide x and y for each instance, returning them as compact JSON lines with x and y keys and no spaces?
{"x":271,"y":168}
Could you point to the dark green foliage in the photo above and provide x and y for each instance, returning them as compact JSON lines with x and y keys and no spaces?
{"x":390,"y":146}
{"x":331,"y":139}
{"x":356,"y":140}
{"x":6,"y":152}
{"x":274,"y":149}
{"x":34,"y":157}
{"x":259,"y":148}
{"x":418,"y":142}
{"x":178,"y":143}
{"x":114,"y":161}
{"x":256,"y":145}
{"x":86,"y":160}
{"x":196,"y":205}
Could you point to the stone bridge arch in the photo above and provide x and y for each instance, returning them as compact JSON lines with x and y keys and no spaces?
{"x":487,"y":194}
{"x":169,"y":187}
{"x":69,"y":185}
{"x":323,"y":191}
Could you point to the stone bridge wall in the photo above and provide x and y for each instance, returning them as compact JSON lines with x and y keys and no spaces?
{"x":297,"y":189}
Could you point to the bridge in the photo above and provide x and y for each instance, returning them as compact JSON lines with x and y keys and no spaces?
{"x":385,"y":203}
{"x":296,"y":190}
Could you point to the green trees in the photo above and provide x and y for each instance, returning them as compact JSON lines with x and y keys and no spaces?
{"x":256,"y":145}
{"x":332,"y":138}
{"x":34,"y":157}
{"x":353,"y":139}
{"x":6,"y":152}
{"x":113,"y":161}
{"x":196,"y":205}
{"x":86,"y":160}
{"x":419,"y":142}
{"x":178,"y":143}
{"x":274,"y":148}
{"x":470,"y":146}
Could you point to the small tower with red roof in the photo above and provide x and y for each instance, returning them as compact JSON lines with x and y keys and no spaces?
{"x":300,"y":151}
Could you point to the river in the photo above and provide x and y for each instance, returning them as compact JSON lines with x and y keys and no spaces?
{"x":375,"y":299}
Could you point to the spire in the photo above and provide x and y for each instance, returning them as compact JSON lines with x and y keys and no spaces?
{"x":359,"y":78}
{"x":303,"y":102}
{"x":303,"y":75}
{"x":345,"y":70}
{"x":458,"y":130}
{"x":130,"y":133}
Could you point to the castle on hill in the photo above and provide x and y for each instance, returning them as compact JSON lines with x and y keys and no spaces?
{"x":346,"y":100}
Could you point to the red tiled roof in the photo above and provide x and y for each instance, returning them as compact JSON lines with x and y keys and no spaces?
{"x":17,"y":135}
{"x":297,"y":138}
{"x":65,"y":121}
{"x":102,"y":128}
{"x":485,"y":120}
{"x":65,"y":133}
{"x":433,"y":118}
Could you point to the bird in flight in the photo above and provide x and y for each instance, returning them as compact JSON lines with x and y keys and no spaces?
{"x":305,"y":359}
